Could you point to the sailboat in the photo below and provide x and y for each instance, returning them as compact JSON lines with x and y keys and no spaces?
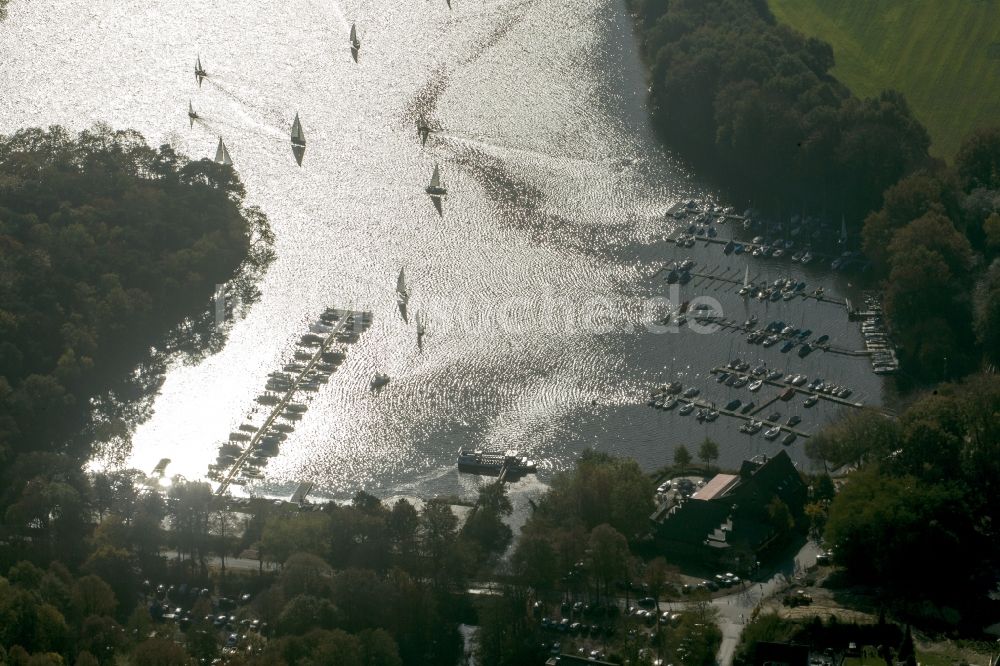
{"x":423,"y":131}
{"x":298,"y":140}
{"x":421,"y":331}
{"x":192,"y":116}
{"x":436,"y":189}
{"x":222,"y":155}
{"x":199,"y":71}
{"x":298,"y":136}
{"x":402,"y":295}
{"x":355,"y":42}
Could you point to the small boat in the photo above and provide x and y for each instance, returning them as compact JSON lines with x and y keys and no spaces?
{"x":793,"y":421}
{"x":772,"y":433}
{"x":686,"y":409}
{"x":421,"y":331}
{"x":298,"y":136}
{"x":787,"y":394}
{"x":712,"y":415}
{"x":296,"y":407}
{"x":222,"y":154}
{"x":811,"y":400}
{"x":805,"y":350}
{"x":436,"y":190}
{"x":723,"y":376}
{"x":192,"y":116}
{"x":733,"y":405}
{"x":355,"y":42}
{"x":747,"y":408}
{"x":774,"y":416}
{"x":199,"y":71}
{"x":674,"y":388}
{"x":807,"y":257}
{"x":755,"y":386}
{"x":402,"y":295}
{"x":691,"y":392}
{"x":423,"y":131}
{"x":669,"y":403}
{"x":774,"y":375}
{"x":822,"y":339}
{"x":789,"y":438}
{"x":730,"y":246}
{"x":378,"y":381}
{"x":787,"y":347}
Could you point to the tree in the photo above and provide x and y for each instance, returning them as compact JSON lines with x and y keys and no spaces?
{"x":708,"y":452}
{"x":378,"y":648}
{"x":302,"y":533}
{"x":978,"y":160}
{"x":608,"y":556}
{"x":304,"y":613}
{"x":682,"y":457}
{"x":92,"y":596}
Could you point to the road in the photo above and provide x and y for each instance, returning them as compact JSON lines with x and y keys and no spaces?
{"x":235,"y":563}
{"x":735,"y":609}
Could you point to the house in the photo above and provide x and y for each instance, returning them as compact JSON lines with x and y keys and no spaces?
{"x":733,"y":519}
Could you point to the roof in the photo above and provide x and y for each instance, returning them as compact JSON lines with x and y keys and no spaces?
{"x":717,"y":487}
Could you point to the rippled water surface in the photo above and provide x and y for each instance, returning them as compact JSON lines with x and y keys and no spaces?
{"x":532,"y":282}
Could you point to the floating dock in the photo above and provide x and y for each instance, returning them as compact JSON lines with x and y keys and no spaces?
{"x":345,"y":318}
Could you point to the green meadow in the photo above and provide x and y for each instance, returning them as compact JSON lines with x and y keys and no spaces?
{"x":944,"y":55}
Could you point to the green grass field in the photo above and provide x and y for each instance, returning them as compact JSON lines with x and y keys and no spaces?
{"x":944,"y":55}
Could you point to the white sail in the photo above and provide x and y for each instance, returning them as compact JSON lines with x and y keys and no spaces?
{"x":298,"y":136}
{"x":354,"y":36}
{"x":222,"y":155}
{"x":746,"y":277}
{"x":436,"y":178}
{"x":401,"y":292}
{"x":197,"y":65}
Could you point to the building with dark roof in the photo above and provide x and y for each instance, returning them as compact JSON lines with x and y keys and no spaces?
{"x":734,"y":519}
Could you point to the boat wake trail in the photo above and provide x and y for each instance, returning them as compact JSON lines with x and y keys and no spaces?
{"x":424,"y":103}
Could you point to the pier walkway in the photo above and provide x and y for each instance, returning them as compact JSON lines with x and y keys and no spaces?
{"x":345,"y":318}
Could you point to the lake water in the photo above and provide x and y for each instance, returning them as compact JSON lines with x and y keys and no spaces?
{"x":533,"y":283}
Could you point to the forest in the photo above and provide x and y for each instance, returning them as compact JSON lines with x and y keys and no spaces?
{"x":915,"y":520}
{"x":89,"y":575}
{"x":935,"y":243}
{"x":753,"y":102}
{"x":107,"y":245}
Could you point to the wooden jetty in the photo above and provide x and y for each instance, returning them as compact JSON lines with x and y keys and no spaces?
{"x":702,"y":404}
{"x":345,"y":319}
{"x":798,"y":389}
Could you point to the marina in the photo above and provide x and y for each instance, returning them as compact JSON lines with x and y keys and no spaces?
{"x":341,"y":326}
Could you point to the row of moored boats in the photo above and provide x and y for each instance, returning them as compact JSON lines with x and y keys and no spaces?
{"x":313,"y":362}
